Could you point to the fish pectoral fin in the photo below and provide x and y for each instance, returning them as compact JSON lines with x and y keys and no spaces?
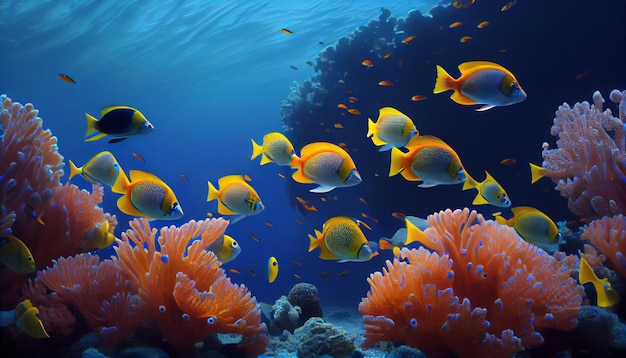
{"x":299,"y":177}
{"x":236,"y":219}
{"x":117,"y":140}
{"x":265,"y":159}
{"x":225,"y":210}
{"x":460,"y":98}
{"x":127,"y":207}
{"x":322,"y":189}
{"x":427,"y":185}
{"x":485,"y":108}
{"x":385,"y":148}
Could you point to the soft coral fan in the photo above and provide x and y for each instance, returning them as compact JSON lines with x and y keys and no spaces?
{"x":589,"y":165}
{"x":483,"y":292}
{"x":608,"y":235}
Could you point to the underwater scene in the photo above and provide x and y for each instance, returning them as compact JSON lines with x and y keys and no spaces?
{"x":240,"y":178}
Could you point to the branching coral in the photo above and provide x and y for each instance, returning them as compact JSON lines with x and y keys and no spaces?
{"x":589,"y":165}
{"x":483,"y":292}
{"x":608,"y":235}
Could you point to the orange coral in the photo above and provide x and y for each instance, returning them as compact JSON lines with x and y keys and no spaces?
{"x":183,"y":287}
{"x":608,"y":235}
{"x":516,"y":290}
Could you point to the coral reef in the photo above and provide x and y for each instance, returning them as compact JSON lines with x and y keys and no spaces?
{"x":306,"y":296}
{"x":608,"y":235}
{"x":318,"y":338}
{"x":284,"y":316}
{"x":589,"y":165}
{"x":483,"y":290}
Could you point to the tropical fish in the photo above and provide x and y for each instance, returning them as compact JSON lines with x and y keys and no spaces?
{"x":276,"y":148}
{"x":508,"y":5}
{"x":455,"y":24}
{"x":66,"y":78}
{"x":15,"y":255}
{"x":120,"y":122}
{"x":481,"y":82}
{"x":272,"y":269}
{"x":400,"y":238}
{"x":462,"y":4}
{"x":148,"y":196}
{"x":508,"y":161}
{"x":537,"y":172}
{"x":98,"y":238}
{"x":286,"y":31}
{"x":354,"y":111}
{"x":489,"y":191}
{"x":418,"y":97}
{"x":324,"y":164}
{"x":225,"y":248}
{"x":235,"y":197}
{"x":385,"y":83}
{"x":482,"y":25}
{"x":103,"y":168}
{"x":532,"y":225}
{"x":367,"y":63}
{"x":392,"y":129}
{"x":408,"y":39}
{"x":430,"y":160}
{"x":341,"y":239}
{"x":139,"y":157}
{"x":464,"y":39}
{"x":24,"y":316}
{"x":606,"y":295}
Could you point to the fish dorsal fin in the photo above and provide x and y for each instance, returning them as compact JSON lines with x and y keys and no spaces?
{"x":390,"y":111}
{"x":223,"y":182}
{"x":108,"y":109}
{"x":318,"y":147}
{"x":140,"y":175}
{"x":470,"y":65}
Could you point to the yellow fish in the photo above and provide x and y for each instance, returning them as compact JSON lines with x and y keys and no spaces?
{"x":27,"y":320}
{"x":325,"y":164}
{"x":103,"y":168}
{"x":606,"y":295}
{"x":341,"y":239}
{"x":481,"y":82}
{"x":225,"y":248}
{"x":532,"y":225}
{"x":235,"y":197}
{"x":400,"y":238}
{"x":489,"y":191}
{"x":272,"y":269}
{"x":537,"y":172}
{"x":392,"y":129}
{"x":98,"y":238}
{"x":276,"y":148}
{"x":147,"y":195}
{"x":430,"y":160}
{"x":15,"y":255}
{"x":117,"y":121}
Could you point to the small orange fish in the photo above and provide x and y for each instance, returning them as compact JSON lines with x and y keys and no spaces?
{"x":338,"y":125}
{"x":268,"y":224}
{"x":508,"y":161}
{"x":363,"y":201}
{"x":297,"y":263}
{"x":306,"y":205}
{"x":361,"y":223}
{"x":325,"y":275}
{"x":286,"y":31}
{"x":387,"y":56}
{"x":482,"y":25}
{"x":67,"y":78}
{"x":408,"y":39}
{"x":465,"y":39}
{"x":462,"y":4}
{"x":367,"y":63}
{"x":502,"y":50}
{"x":281,"y":175}
{"x":455,"y":24}
{"x":398,"y":215}
{"x":342,"y":274}
{"x":418,"y":97}
{"x":342,"y":106}
{"x":246,"y":177}
{"x":233,"y":270}
{"x":139,"y":157}
{"x":343,"y":146}
{"x":508,"y":6}
{"x":353,"y":99}
{"x":254,"y":237}
{"x":369,"y":217}
{"x":251,"y":272}
{"x":293,"y":67}
{"x":385,"y":83}
{"x":297,"y":276}
{"x":348,"y":91}
{"x":583,"y":74}
{"x":400,"y":63}
{"x":184,"y":177}
{"x":354,"y":111}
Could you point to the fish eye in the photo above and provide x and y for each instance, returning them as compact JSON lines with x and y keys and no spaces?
{"x":234,"y":244}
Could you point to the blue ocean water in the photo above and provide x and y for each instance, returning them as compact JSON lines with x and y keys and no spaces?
{"x":212,"y":75}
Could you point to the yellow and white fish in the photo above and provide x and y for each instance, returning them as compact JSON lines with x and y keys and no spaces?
{"x":276,"y":148}
{"x":341,"y":239}
{"x":489,"y":191}
{"x":235,"y":197}
{"x":430,"y":160}
{"x":325,"y":164}
{"x":15,"y":255}
{"x":272,"y":269}
{"x":392,"y":129}
{"x":120,"y":122}
{"x":606,"y":296}
{"x":533,"y":226}
{"x":24,"y":316}
{"x":103,"y":168}
{"x":148,"y":196}
{"x":98,"y":238}
{"x":225,"y":248}
{"x":481,"y":82}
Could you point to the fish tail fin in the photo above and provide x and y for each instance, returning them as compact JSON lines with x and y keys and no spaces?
{"x":397,"y":161}
{"x":92,"y":129}
{"x":213,"y":192}
{"x":444,"y":81}
{"x":74,"y":170}
{"x":314,"y":241}
{"x":371,"y":127}
{"x":470,"y":183}
{"x":536,"y":172}
{"x":415,"y":234}
{"x":256,"y":150}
